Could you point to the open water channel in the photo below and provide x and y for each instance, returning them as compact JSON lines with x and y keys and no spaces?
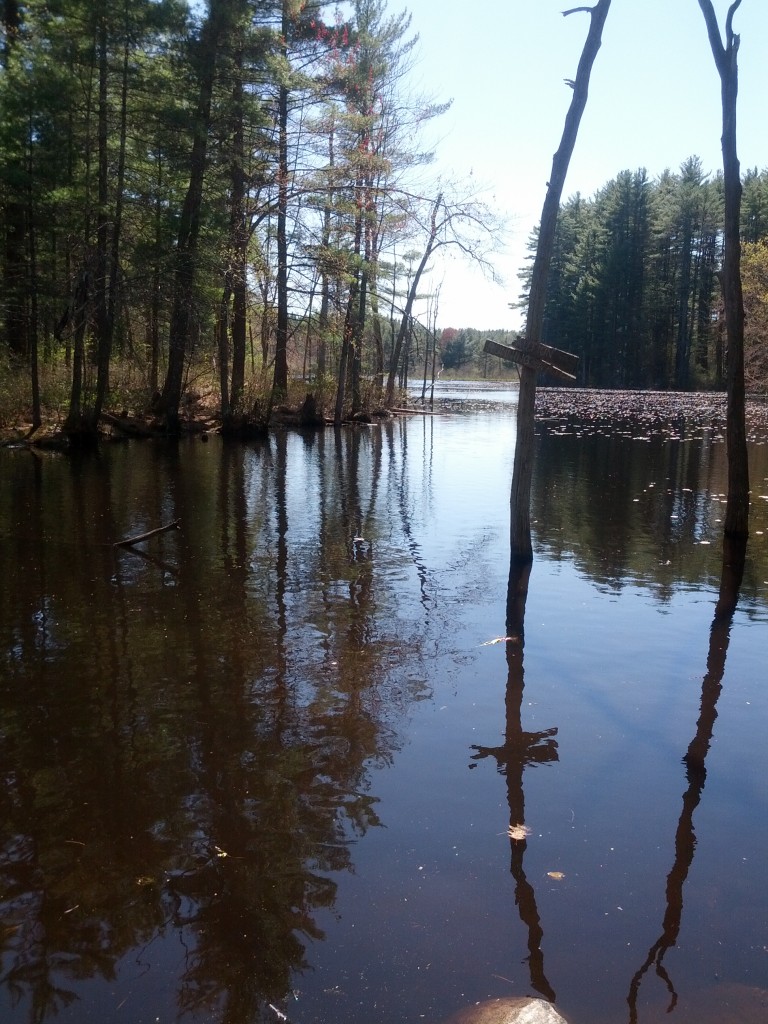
{"x":281,"y":763}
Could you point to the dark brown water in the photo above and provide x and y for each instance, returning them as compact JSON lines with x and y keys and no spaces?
{"x":266,"y":764}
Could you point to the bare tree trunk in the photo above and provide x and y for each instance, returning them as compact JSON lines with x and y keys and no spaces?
{"x":411,"y":298}
{"x":726,"y":60}
{"x":222,"y":334}
{"x":280,"y":380}
{"x":325,"y":282}
{"x":357,"y":344}
{"x":239,"y":242}
{"x":372,"y":248}
{"x":306,"y":368}
{"x":378,"y":341}
{"x":346,"y":355}
{"x":37,"y":418}
{"x":520,"y":499}
{"x":185,"y":257}
{"x":265,"y":327}
{"x":80,"y":304}
{"x":14,"y":271}
{"x":433,"y":328}
{"x":110,"y":223}
{"x":103,"y":325}
{"x":154,"y":307}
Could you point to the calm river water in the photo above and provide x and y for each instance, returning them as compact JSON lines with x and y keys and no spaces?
{"x":265,"y":766}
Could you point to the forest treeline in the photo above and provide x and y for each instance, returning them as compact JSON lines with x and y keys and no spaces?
{"x":237,"y":196}
{"x":238,"y":190}
{"x":634,"y":285}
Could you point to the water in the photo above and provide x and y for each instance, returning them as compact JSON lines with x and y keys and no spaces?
{"x":267,"y":763}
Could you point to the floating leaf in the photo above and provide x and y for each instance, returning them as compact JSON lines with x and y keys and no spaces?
{"x":499,"y":640}
{"x":518,"y":832}
{"x":557,"y":875}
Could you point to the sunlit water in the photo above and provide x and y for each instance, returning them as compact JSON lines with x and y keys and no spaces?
{"x":266,"y":764}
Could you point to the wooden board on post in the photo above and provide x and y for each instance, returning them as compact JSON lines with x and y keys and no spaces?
{"x":542,"y":358}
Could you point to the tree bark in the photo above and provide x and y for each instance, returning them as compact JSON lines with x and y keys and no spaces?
{"x":80,"y":303}
{"x":357,"y":343}
{"x":280,"y":380}
{"x":101,"y":282}
{"x":222,"y":335}
{"x":237,"y":271}
{"x":185,"y":257}
{"x":117,"y":225}
{"x":350,"y":319}
{"x":520,"y":498}
{"x":37,"y":418}
{"x":325,"y":279}
{"x":14,"y":271}
{"x":726,"y":61}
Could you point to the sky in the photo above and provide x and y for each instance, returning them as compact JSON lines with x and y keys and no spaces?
{"x":654,"y":101}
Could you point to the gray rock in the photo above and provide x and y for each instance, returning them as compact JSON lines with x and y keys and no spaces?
{"x":508,"y":1011}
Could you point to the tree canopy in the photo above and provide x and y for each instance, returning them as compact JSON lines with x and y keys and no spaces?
{"x":235,"y":185}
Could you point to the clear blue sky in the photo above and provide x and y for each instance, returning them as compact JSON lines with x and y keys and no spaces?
{"x":654,"y":101}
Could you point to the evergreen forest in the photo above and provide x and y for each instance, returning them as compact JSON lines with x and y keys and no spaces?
{"x":634,"y":285}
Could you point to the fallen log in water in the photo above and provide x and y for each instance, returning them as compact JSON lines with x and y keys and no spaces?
{"x":130,"y":541}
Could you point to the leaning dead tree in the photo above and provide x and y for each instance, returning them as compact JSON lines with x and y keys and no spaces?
{"x":726,"y":60}
{"x":520,"y":500}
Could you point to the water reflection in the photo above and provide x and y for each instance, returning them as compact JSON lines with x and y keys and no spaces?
{"x":203,"y":738}
{"x":734,"y":556}
{"x":628,"y":508}
{"x":187,"y":733}
{"x":519,"y":750}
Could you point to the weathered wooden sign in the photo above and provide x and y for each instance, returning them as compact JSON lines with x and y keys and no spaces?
{"x":542,"y":358}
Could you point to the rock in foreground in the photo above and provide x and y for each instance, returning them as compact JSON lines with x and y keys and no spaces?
{"x":508,"y":1011}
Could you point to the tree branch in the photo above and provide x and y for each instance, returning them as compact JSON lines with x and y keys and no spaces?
{"x":575,"y":10}
{"x":130,"y":541}
{"x":729,"y":24}
{"x":713,"y":31}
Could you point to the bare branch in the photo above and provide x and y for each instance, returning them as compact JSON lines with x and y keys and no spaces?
{"x":724,"y":54}
{"x":729,"y":23}
{"x":713,"y":31}
{"x":130,"y":541}
{"x":585,"y":10}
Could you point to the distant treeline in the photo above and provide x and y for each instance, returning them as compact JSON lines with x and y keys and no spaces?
{"x":634,"y":288}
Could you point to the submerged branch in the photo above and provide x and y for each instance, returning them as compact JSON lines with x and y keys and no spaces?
{"x":130,"y":541}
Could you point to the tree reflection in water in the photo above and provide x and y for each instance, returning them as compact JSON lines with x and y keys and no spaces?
{"x":734,"y":555}
{"x":190,"y":741}
{"x":520,"y":749}
{"x":187,"y":739}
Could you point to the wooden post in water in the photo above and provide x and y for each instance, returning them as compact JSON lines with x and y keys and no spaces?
{"x":531,"y":360}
